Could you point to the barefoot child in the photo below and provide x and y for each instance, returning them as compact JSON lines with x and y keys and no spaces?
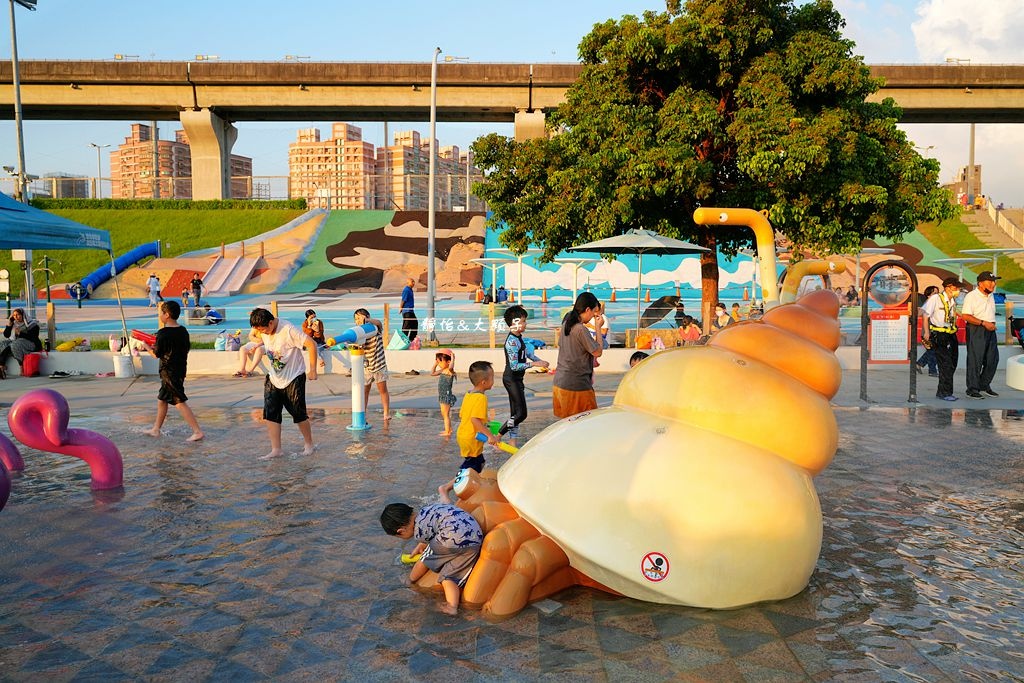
{"x":375,"y":362}
{"x":473,"y":417}
{"x":285,"y":386}
{"x":314,"y":327}
{"x":444,"y":370}
{"x":450,"y":540}
{"x":473,"y":421}
{"x":172,"y":347}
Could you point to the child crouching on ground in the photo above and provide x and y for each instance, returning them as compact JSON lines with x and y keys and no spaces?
{"x":450,"y":540}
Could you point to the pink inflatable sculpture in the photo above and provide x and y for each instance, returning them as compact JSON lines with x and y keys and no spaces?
{"x":10,"y":461}
{"x":5,"y":486}
{"x":9,"y":455}
{"x":39,"y":419}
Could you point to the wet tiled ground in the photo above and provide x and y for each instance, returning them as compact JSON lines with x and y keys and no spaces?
{"x":214,"y":565}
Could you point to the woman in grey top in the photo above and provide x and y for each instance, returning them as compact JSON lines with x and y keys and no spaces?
{"x":573,"y":390}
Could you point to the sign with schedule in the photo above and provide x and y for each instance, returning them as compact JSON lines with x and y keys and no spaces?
{"x":889,"y":341}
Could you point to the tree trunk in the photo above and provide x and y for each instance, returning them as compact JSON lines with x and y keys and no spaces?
{"x":708,"y":277}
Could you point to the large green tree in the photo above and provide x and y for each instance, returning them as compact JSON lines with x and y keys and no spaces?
{"x":736,"y":103}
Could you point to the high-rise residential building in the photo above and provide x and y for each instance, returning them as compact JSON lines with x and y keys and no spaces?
{"x":132,"y":170}
{"x":337,"y":173}
{"x":346,"y":172}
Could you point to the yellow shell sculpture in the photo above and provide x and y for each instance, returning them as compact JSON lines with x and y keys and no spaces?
{"x":693,"y":488}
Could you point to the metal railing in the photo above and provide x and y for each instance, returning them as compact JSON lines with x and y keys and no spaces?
{"x":1006,"y":225}
{"x":407,"y":192}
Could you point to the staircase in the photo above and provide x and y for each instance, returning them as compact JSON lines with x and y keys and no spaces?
{"x":984,"y":228}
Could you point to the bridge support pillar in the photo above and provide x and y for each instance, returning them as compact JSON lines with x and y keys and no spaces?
{"x":210,"y":139}
{"x":529,"y":125}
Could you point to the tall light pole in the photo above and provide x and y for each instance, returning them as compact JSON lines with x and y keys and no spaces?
{"x":30,"y":299}
{"x":98,"y":192}
{"x":431,"y":170}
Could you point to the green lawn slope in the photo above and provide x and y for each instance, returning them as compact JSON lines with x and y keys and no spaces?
{"x":179,"y":231}
{"x":946,"y":239}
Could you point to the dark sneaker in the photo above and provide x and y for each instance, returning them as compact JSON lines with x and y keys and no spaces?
{"x":933,"y":374}
{"x":948,"y":398}
{"x":919,"y":368}
{"x":989,"y":392}
{"x":974,"y":395}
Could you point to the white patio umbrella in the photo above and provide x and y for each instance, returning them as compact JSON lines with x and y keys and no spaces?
{"x":994,"y":253}
{"x":639,"y":242}
{"x":576,"y":264}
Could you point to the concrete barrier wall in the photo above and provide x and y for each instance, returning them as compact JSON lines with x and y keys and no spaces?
{"x":226,"y":362}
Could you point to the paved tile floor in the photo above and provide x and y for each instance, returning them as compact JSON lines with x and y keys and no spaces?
{"x":215,"y":565}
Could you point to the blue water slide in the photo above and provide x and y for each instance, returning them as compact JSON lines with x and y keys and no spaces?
{"x":87,"y":284}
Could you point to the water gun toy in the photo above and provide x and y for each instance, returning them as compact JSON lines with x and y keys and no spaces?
{"x":144,"y":337}
{"x":512,"y":450}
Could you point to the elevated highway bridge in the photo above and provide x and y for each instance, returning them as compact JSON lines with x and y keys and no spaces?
{"x":208,"y":96}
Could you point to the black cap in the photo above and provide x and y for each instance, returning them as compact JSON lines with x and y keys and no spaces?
{"x":987,"y":275}
{"x":952,"y":282}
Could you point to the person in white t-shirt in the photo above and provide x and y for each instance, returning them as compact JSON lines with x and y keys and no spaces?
{"x":285,"y":386}
{"x":979,"y":314}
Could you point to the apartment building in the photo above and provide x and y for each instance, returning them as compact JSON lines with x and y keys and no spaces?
{"x":347,"y":172}
{"x":132,"y":169}
{"x":337,"y":173}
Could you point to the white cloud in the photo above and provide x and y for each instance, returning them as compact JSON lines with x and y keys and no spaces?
{"x":984,"y":31}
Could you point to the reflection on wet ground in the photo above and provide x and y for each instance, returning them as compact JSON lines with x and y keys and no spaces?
{"x":214,"y":565}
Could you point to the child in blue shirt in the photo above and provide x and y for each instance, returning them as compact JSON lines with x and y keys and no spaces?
{"x":518,"y":358}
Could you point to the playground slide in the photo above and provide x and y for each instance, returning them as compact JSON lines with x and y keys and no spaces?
{"x":239,"y":275}
{"x":87,"y":284}
{"x":219,"y":273}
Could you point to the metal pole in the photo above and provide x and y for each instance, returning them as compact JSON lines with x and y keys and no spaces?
{"x":970,"y":171}
{"x":469,"y":165}
{"x":30,"y":298}
{"x":156,"y":161}
{"x":432,"y":168}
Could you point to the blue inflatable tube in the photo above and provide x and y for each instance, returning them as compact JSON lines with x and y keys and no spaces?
{"x":87,"y":284}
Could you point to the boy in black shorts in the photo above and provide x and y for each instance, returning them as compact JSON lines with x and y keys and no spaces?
{"x":285,"y":386}
{"x":518,"y":358}
{"x":172,"y":347}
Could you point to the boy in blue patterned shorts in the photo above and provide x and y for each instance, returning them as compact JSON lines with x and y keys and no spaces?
{"x":450,"y":540}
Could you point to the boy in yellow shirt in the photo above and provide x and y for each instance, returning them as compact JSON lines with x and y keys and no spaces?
{"x":473,"y":417}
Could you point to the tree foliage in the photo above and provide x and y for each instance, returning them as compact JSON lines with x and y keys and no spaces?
{"x":738,"y":103}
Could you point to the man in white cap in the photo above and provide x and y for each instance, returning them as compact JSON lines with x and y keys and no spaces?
{"x":979,"y":312}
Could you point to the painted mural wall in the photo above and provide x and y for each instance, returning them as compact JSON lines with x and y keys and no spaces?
{"x":379,"y":250}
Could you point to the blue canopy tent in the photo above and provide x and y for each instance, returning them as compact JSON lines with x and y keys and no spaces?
{"x":26,"y":227}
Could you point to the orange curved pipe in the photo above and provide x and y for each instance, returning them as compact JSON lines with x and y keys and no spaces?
{"x":798,"y":271}
{"x":764,"y":240}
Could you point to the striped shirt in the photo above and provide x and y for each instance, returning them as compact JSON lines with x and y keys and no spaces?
{"x":373,"y":353}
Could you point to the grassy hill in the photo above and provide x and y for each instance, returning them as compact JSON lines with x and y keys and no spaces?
{"x":952,"y":235}
{"x":179,"y":231}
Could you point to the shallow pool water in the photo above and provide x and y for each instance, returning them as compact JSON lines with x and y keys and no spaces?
{"x":213,"y":563}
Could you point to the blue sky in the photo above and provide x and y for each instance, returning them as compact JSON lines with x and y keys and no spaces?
{"x":886,"y":31}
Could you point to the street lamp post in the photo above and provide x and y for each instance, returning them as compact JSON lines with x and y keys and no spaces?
{"x":431,"y":171}
{"x":98,"y":190}
{"x":30,"y":299}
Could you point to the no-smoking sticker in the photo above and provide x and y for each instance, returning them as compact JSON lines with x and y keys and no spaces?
{"x":654,"y":567}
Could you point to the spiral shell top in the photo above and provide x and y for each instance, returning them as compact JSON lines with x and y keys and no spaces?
{"x":702,"y":466}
